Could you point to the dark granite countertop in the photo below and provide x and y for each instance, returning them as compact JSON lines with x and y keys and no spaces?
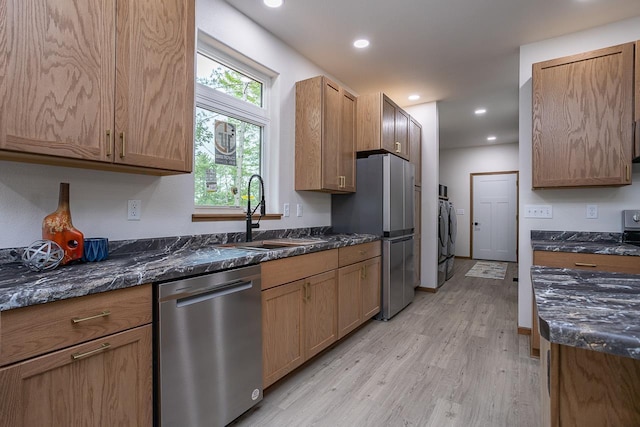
{"x":597,"y":311}
{"x":582,"y":242}
{"x":134,"y":263}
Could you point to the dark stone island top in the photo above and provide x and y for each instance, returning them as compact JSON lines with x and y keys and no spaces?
{"x":136,"y":262}
{"x":597,"y":311}
{"x":604,"y":243}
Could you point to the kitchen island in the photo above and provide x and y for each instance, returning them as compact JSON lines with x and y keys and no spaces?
{"x":590,"y":347}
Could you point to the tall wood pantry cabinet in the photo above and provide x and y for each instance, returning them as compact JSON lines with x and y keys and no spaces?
{"x":325,"y":137}
{"x":583,"y":119}
{"x":415,"y":150}
{"x":382,"y":125}
{"x":98,"y":84}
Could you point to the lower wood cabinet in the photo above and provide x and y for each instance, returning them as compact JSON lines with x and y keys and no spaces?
{"x":299,"y":320}
{"x":309,"y":302}
{"x":581,"y":387}
{"x":358,"y":294}
{"x":283,"y":338}
{"x":105,"y":382}
{"x":84,"y":361}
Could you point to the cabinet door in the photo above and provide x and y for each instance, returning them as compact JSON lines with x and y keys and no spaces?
{"x":105,"y":382}
{"x":582,"y":119}
{"x":388,"y":141}
{"x":371,"y":288}
{"x":321,"y":314}
{"x":350,"y":298}
{"x":415,"y":149}
{"x":331,"y":145}
{"x":155,"y":84}
{"x":56,"y":77}
{"x":402,"y":134}
{"x":417,"y":238}
{"x":282,"y":330}
{"x":636,"y":145}
{"x":347,"y":160}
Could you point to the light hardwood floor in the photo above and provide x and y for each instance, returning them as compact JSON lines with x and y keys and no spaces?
{"x":449,"y":359}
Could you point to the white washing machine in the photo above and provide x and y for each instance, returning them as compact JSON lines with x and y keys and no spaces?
{"x":443,"y":241}
{"x":452,"y":231}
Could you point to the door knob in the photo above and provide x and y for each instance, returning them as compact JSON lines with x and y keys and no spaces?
{"x":476,"y":223}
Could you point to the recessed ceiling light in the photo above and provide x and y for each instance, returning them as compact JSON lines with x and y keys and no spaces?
{"x":480,"y":111}
{"x":491,"y":138}
{"x":361,"y":43}
{"x":414,"y":97}
{"x":273,"y":3}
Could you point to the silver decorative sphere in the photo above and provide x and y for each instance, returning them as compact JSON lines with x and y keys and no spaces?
{"x":42,"y":255}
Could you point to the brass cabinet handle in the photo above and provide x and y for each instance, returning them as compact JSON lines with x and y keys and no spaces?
{"x":103,"y":347}
{"x":363,"y":272}
{"x":627,"y":170}
{"x":108,"y":142}
{"x":584,"y":264}
{"x":307,"y":291}
{"x":122,"y":152}
{"x":398,"y":147}
{"x":104,"y":313}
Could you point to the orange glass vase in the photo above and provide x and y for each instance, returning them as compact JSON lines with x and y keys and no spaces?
{"x":57,"y":226}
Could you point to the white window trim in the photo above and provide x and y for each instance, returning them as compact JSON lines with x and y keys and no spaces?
{"x":211,"y":99}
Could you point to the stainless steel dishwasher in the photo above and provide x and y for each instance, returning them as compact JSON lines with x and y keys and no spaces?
{"x":209,"y":348}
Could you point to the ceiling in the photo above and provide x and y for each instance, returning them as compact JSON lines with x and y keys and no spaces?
{"x":462,"y":53}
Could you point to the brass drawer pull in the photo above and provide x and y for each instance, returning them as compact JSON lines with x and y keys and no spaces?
{"x":105,"y":313}
{"x":103,"y":347}
{"x":584,"y":264}
{"x":361,"y":252}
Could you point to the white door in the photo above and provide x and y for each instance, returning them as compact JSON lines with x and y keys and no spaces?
{"x":494,"y":227}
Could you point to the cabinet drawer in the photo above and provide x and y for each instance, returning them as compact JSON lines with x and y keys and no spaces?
{"x":596,"y":262}
{"x":34,"y":330}
{"x":352,"y":254}
{"x":290,"y":269}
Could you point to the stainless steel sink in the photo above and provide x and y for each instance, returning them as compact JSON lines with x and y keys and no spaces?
{"x":269,"y":245}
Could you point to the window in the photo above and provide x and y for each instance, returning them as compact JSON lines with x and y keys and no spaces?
{"x":231,"y":127}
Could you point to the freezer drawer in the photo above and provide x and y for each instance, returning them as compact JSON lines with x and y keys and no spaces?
{"x":397,"y":275}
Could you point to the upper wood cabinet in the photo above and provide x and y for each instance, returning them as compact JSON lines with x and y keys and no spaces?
{"x":98,"y":84}
{"x":583,"y":119}
{"x":325,"y":137}
{"x":382,"y":125}
{"x":415,"y":149}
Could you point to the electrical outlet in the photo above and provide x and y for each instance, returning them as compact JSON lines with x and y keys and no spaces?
{"x":286,"y":209}
{"x":298,"y":209}
{"x":133,"y":210}
{"x":592,"y":211}
{"x":538,"y":211}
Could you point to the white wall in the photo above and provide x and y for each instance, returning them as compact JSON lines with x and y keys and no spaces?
{"x":427,"y":116}
{"x":98,"y":199}
{"x":456,"y":165}
{"x":568,"y":205}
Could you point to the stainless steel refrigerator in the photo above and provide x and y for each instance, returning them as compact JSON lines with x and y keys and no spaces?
{"x":383,"y":205}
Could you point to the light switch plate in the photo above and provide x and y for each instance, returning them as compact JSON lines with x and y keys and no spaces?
{"x":538,"y":211}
